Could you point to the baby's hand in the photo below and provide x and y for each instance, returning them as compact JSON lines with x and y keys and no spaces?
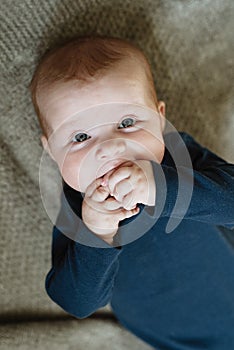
{"x":132,"y":183}
{"x":102,"y":213}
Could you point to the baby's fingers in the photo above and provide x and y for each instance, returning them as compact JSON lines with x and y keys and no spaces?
{"x":118,"y":175}
{"x":100,"y":194}
{"x":129,"y":201}
{"x":112,"y":204}
{"x":92,"y":187}
{"x":129,"y":213}
{"x":122,"y":189}
{"x":96,"y":192}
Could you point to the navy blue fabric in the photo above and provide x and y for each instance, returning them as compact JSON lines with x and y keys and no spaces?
{"x":174,"y":291}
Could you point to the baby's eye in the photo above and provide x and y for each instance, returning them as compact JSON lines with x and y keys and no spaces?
{"x":81,"y":137}
{"x":126,"y":123}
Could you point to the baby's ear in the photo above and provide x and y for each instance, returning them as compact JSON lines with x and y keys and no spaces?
{"x":45,"y":145}
{"x":162,"y":110}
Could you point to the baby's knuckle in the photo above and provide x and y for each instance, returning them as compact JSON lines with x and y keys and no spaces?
{"x":139,"y":181}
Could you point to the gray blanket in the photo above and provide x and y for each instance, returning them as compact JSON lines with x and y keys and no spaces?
{"x":190,"y":47}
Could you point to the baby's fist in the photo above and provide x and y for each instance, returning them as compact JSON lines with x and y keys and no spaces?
{"x":132,"y":183}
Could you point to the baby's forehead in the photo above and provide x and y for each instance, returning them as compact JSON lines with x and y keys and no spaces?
{"x":60,"y":89}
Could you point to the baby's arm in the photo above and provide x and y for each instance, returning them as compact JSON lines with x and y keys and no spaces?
{"x":213,"y":191}
{"x":81,"y":277}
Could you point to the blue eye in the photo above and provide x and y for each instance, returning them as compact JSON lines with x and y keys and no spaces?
{"x":81,"y":137}
{"x":126,"y":123}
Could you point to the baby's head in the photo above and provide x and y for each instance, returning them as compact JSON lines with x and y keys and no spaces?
{"x":97,"y":71}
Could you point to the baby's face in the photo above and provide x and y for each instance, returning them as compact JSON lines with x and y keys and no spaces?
{"x":87,"y":144}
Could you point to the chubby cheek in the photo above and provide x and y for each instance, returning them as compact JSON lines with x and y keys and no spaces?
{"x":74,"y":174}
{"x":159,"y":150}
{"x":151,"y":148}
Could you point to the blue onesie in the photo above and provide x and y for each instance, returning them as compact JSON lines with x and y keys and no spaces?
{"x":174,"y":291}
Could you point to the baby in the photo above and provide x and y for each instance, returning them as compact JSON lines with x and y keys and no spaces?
{"x":172,"y":291}
{"x":86,"y":148}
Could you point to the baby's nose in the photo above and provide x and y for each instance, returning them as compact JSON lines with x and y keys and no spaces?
{"x":110,"y":149}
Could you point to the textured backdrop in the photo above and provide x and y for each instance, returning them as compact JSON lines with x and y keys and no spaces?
{"x":190,"y":47}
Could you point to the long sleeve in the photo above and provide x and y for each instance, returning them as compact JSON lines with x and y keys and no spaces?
{"x":82,"y":277}
{"x":212,"y":181}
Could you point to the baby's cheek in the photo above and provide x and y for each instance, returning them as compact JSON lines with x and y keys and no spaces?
{"x":70,"y":174}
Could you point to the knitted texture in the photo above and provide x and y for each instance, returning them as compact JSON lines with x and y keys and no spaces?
{"x":189,"y":45}
{"x":90,"y":334}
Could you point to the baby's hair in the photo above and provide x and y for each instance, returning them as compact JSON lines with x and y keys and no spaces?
{"x":81,"y":59}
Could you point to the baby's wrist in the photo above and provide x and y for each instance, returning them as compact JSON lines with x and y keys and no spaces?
{"x":106,"y":233}
{"x":150,"y":182}
{"x":152,"y":191}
